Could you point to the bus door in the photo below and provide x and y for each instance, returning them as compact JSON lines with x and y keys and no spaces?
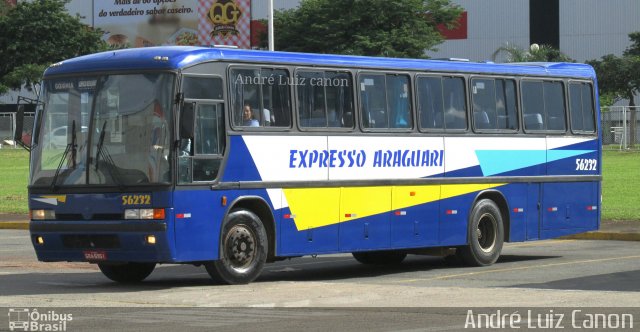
{"x":200,"y":149}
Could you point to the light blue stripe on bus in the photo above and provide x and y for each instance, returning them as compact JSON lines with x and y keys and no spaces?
{"x":494,"y":162}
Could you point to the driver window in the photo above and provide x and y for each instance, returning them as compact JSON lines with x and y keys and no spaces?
{"x":201,"y":135}
{"x":201,"y":142}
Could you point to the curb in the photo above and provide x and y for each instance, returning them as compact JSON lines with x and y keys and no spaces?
{"x":617,"y":236}
{"x":14,"y":225}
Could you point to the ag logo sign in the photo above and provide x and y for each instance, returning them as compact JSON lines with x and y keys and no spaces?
{"x":224,"y":15}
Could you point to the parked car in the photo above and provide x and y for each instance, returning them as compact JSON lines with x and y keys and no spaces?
{"x":57,"y":138}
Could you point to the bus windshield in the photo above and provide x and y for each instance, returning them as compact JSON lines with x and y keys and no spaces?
{"x":108,"y":130}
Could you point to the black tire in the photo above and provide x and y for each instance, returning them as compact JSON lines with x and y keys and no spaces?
{"x":128,"y":272}
{"x":485,"y":235}
{"x":243,"y":249}
{"x":380,"y":257}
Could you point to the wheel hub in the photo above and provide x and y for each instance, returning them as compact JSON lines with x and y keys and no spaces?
{"x":240,"y":245}
{"x":487,"y":232}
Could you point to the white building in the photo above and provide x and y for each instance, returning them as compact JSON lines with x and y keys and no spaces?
{"x":582,"y":29}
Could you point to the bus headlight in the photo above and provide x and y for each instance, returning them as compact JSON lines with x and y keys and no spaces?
{"x":144,"y":214}
{"x":43,"y":214}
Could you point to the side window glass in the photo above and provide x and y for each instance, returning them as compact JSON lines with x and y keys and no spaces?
{"x":588,"y":109}
{"x":430,"y":102}
{"x":484,"y":103}
{"x":339,"y":97}
{"x":260,"y":97}
{"x":532,"y":108}
{"x":398,"y":101}
{"x":455,"y":109}
{"x":494,"y":104}
{"x":385,"y":101}
{"x":554,"y":105}
{"x":208,"y":130}
{"x":311,"y":100}
{"x":195,"y":87}
{"x":581,"y":108}
{"x":324,"y":99}
{"x":373,"y":102}
{"x":506,"y":101}
{"x":209,"y":142}
{"x":202,"y":142}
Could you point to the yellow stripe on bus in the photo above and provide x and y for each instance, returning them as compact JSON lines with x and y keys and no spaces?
{"x":317,"y":207}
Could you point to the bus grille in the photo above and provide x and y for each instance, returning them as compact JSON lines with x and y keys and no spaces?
{"x":97,"y":216}
{"x":91,"y":241}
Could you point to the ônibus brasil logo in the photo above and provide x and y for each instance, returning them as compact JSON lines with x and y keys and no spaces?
{"x":24,"y":319}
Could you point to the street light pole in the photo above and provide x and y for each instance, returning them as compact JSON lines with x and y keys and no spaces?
{"x":270,"y":28}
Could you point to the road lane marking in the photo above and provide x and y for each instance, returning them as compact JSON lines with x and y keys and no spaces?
{"x":450,"y":276}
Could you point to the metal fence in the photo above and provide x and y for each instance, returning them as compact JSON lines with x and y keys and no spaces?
{"x":618,"y":131}
{"x":8,"y":128}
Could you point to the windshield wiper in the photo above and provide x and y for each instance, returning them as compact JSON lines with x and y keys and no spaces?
{"x":71,"y":147}
{"x":101,"y":151}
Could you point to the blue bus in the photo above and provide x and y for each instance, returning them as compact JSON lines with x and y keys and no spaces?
{"x":234,"y":158}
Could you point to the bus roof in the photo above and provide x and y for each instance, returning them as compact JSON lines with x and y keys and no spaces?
{"x":178,"y":57}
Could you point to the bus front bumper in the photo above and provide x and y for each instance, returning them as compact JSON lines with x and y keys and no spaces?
{"x":101,"y":241}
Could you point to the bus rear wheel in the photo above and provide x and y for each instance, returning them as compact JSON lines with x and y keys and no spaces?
{"x":127,"y":272}
{"x":485,"y":235}
{"x":243,"y":249}
{"x":380,"y":257}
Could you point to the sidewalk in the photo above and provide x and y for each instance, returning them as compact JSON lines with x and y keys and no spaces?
{"x":609,"y":230}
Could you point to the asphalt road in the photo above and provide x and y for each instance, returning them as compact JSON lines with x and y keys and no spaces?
{"x":332,"y":292}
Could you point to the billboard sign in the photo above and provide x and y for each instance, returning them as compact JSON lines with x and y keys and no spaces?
{"x":141,"y":23}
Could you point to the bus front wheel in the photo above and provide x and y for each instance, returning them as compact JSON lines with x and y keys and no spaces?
{"x":243,"y":249}
{"x":485,"y":235}
{"x":127,"y":272}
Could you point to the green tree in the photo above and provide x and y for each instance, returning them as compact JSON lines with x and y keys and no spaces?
{"x":537,"y":53}
{"x":403,"y":28}
{"x":619,"y":77}
{"x":36,"y":34}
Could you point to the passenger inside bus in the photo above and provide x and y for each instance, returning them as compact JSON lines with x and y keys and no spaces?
{"x":247,"y":117}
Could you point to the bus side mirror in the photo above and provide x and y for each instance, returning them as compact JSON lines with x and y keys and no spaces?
{"x":186,"y":134}
{"x":187,"y":123}
{"x":21,"y":137}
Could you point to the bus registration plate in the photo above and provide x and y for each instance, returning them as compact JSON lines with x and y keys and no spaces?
{"x":95,"y":255}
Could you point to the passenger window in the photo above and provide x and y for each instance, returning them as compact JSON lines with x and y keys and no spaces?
{"x":260,"y":97}
{"x":532,"y":107}
{"x":554,"y":105}
{"x":441,"y":103}
{"x":385,"y":101}
{"x":324,"y":99}
{"x":484,"y":103}
{"x":543,"y":106}
{"x":581,"y":108}
{"x":494,"y":104}
{"x":430,"y":102}
{"x":506,"y":105}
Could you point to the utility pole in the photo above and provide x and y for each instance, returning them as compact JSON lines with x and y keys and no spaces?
{"x":270,"y":28}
